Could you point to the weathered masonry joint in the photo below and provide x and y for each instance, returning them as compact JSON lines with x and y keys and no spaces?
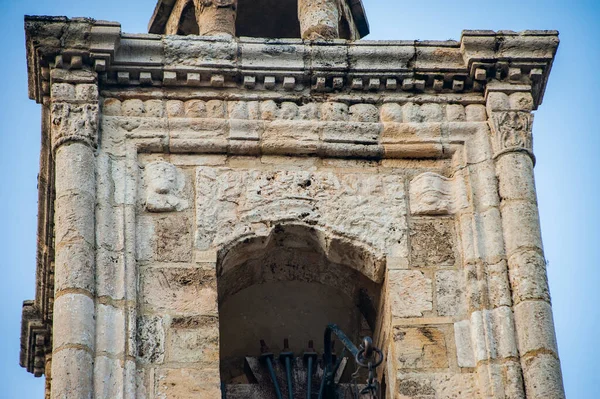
{"x":225,"y":180}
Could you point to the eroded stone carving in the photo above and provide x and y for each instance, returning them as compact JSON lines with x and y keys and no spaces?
{"x":74,"y":122}
{"x":430,"y":194}
{"x":164,"y":184}
{"x":434,"y":194}
{"x":512,"y":131}
{"x":232,"y":203}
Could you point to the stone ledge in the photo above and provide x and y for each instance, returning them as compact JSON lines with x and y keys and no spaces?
{"x":292,"y":65}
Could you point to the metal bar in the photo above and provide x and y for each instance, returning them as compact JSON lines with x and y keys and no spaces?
{"x":333,"y":328}
{"x":322,"y":388}
{"x":309,"y":379}
{"x":288,"y":371}
{"x":274,"y":378}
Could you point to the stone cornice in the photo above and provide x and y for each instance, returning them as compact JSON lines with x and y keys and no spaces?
{"x":291,"y":65}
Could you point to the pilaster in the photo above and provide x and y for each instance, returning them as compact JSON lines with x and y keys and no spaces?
{"x":509,"y":112}
{"x":74,"y":134}
{"x":216,"y":17}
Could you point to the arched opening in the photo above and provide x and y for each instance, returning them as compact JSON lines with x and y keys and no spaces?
{"x":290,"y":285}
{"x":188,"y":24}
{"x":268,"y":18}
{"x":344,"y":29}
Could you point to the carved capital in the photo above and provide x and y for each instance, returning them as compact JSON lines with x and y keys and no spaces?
{"x":74,"y":122}
{"x":511,"y":131}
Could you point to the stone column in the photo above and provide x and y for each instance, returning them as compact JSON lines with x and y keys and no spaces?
{"x":216,"y":17}
{"x":319,"y":19}
{"x":510,"y":119}
{"x":74,"y":130}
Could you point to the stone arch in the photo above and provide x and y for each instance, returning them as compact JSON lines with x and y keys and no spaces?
{"x":268,"y":18}
{"x":188,"y":24}
{"x":290,"y":283}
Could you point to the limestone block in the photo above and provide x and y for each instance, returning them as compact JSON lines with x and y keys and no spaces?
{"x":391,"y":112}
{"x":521,"y":223}
{"x":484,"y":185}
{"x":288,"y":111}
{"x":410,"y":293}
{"x":521,"y":101}
{"x":516,"y":177}
{"x":492,"y":334}
{"x":189,"y":51}
{"x":497,"y":101}
{"x":464,"y":346}
{"x":108,"y":378}
{"x":478,"y":146}
{"x":215,"y":109}
{"x":72,"y":326}
{"x":150,"y":338}
{"x":145,"y":238}
{"x":490,"y":235}
{"x":181,"y":291}
{"x":502,"y":330}
{"x":63,"y":92}
{"x":412,"y":113}
{"x":402,"y":133}
{"x":110,"y":270}
{"x":498,"y":284}
{"x":175,"y":108}
{"x":449,"y":287}
{"x":75,"y":263}
{"x":535,"y":327}
{"x":436,"y":386}
{"x":188,"y":383}
{"x":109,"y":337}
{"x":132,"y":108}
{"x":111,"y":107}
{"x":364,"y":113}
{"x":246,"y":130}
{"x":68,"y":365}
{"x":543,"y":377}
{"x":432,"y":112}
{"x":466,"y":226}
{"x":527,"y":272}
{"x":194,"y":340}
{"x":475,"y":113}
{"x":310,"y":111}
{"x":289,"y":138}
{"x":455,"y":113}
{"x":164,"y":187}
{"x":74,"y":218}
{"x":269,"y":110}
{"x":350,"y":132}
{"x":420,"y":347}
{"x":84,"y":181}
{"x":174,"y":238}
{"x":432,"y":242}
{"x":331,"y":111}
{"x":195,"y":109}
{"x":154,"y":108}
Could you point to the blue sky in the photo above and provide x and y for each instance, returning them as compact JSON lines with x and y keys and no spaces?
{"x":566,"y":145}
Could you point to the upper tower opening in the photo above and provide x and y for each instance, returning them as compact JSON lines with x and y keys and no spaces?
{"x":306,"y":19}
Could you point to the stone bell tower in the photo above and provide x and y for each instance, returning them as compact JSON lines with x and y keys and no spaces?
{"x":215,"y":193}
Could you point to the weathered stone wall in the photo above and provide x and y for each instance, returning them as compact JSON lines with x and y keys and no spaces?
{"x":394,"y":221}
{"x":190,"y":174}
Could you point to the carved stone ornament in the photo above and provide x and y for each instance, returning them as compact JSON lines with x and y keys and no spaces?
{"x":164,"y":185}
{"x":512,"y":131}
{"x":434,"y":194}
{"x":74,"y":122}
